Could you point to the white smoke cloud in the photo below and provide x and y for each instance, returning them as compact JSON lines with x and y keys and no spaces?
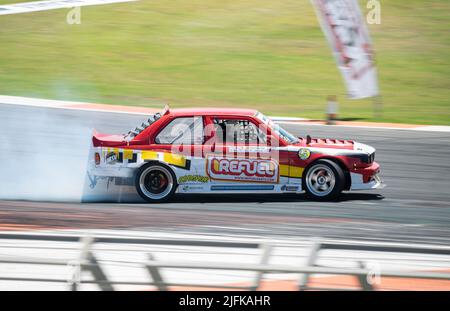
{"x":43,"y":155}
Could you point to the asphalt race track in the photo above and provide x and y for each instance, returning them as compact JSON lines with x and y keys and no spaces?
{"x":414,"y":207}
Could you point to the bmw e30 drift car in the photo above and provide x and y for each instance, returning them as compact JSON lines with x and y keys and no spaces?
{"x":228,"y":151}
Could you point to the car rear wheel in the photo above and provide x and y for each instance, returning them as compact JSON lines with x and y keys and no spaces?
{"x":155,"y":183}
{"x":324,"y":180}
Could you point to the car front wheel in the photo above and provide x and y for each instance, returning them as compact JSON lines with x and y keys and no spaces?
{"x":324,"y":180}
{"x":155,"y":183}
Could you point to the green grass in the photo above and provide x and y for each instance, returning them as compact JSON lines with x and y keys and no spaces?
{"x":270,"y":55}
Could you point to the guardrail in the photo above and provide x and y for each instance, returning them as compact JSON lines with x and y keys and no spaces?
{"x":87,"y":261}
{"x":371,"y":247}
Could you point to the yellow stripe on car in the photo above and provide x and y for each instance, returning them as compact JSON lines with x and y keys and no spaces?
{"x":169,"y":158}
{"x":149,"y":155}
{"x":284,"y":170}
{"x":127,"y":154}
{"x":296,"y":171}
{"x":291,"y":171}
{"x":175,"y":159}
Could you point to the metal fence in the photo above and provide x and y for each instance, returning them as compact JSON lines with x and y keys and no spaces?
{"x":88,"y":262}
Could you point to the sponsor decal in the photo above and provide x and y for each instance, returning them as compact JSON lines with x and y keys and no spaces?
{"x":248,"y":149}
{"x":246,"y":170}
{"x":111,"y":157}
{"x":244,"y":188}
{"x":289,"y":188}
{"x":114,"y":155}
{"x":304,"y":154}
{"x":193,"y":179}
{"x":187,"y":188}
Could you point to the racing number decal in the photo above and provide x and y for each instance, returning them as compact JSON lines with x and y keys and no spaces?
{"x":244,"y":170}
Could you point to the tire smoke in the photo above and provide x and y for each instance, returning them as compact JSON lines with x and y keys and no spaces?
{"x":43,"y":157}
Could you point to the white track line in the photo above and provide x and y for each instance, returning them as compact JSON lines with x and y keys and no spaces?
{"x":34,"y":102}
{"x":48,"y":103}
{"x":35,"y":6}
{"x":433,"y":128}
{"x":429,"y":128}
{"x":58,"y":104}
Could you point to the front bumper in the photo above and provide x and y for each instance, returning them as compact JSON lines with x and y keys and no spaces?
{"x":367,"y":178}
{"x":375,"y":183}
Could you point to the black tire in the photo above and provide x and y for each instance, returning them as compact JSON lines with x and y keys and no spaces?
{"x":155,"y":182}
{"x":323,"y":180}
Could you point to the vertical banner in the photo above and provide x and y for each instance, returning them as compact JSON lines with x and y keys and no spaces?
{"x":346,"y":31}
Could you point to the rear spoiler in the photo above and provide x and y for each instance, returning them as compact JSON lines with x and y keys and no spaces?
{"x":106,"y":140}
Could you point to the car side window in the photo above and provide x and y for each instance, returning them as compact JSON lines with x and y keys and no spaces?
{"x":185,"y":130}
{"x":236,"y":131}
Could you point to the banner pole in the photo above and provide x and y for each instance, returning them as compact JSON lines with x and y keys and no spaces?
{"x":377,"y":106}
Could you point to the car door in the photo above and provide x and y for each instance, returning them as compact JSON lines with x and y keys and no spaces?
{"x":285,"y":153}
{"x":238,"y":156}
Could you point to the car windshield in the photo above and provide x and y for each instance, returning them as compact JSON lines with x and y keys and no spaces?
{"x":285,"y":135}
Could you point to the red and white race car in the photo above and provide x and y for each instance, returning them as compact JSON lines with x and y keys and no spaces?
{"x":229,"y":151}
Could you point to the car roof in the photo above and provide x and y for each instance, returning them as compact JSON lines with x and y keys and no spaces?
{"x":212,"y":111}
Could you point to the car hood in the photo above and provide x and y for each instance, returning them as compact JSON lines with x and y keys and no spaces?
{"x":335,"y":145}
